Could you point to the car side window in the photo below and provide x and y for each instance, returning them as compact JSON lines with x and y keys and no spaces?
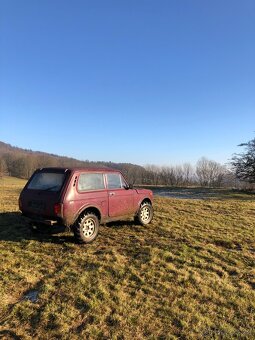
{"x":90,"y":181}
{"x":115,"y":181}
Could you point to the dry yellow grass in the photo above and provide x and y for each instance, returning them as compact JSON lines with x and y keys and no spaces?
{"x":189,"y":274}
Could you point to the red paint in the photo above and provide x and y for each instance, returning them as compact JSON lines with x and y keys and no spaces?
{"x":65,"y":205}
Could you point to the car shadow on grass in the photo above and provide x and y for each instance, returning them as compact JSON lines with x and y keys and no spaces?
{"x":119,"y":224}
{"x":8,"y":334}
{"x":14,"y":228}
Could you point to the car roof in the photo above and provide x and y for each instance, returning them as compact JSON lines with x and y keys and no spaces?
{"x":79,"y":169}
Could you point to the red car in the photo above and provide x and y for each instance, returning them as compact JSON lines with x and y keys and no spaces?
{"x":82,"y":198}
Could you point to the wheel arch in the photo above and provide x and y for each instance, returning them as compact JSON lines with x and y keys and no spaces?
{"x":87,"y":209}
{"x":144,"y":200}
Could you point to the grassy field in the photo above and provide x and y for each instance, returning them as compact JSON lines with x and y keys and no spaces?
{"x":189,"y":274}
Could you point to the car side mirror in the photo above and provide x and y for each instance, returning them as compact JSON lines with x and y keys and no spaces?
{"x":128,"y":186}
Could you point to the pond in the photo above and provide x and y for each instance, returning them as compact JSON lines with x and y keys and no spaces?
{"x":201,"y":193}
{"x":185,"y":193}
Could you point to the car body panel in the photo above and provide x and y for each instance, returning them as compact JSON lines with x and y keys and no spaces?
{"x":110,"y":203}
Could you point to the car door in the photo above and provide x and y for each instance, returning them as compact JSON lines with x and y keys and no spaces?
{"x":121,"y":200}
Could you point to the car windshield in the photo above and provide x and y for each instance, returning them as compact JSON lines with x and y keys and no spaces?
{"x":48,"y":181}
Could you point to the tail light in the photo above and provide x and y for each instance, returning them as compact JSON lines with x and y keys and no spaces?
{"x":58,"y":209}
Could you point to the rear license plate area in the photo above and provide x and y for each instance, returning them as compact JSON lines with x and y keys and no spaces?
{"x":37,"y":206}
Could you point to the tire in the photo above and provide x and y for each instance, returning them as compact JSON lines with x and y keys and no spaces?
{"x":145,"y":214}
{"x":86,"y":229}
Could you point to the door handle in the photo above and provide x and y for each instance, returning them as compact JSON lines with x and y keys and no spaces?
{"x":111,"y":193}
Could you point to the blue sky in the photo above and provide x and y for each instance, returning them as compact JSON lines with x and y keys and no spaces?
{"x":162,"y":82}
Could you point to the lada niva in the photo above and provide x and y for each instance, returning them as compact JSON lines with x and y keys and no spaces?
{"x":82,"y":199}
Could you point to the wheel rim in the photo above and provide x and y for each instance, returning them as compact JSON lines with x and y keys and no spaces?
{"x":88,"y":227}
{"x":145,"y":214}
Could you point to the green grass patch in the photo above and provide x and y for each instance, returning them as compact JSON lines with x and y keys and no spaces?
{"x":189,"y":274}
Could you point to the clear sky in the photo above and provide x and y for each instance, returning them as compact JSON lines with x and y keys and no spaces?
{"x":141,"y":81}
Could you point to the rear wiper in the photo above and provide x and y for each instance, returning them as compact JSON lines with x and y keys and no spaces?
{"x":50,"y":188}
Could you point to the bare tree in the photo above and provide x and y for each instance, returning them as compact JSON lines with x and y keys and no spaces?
{"x":178,"y":175}
{"x":153,"y":173}
{"x":3,"y":168}
{"x":188,"y":173}
{"x":166,"y":175}
{"x":210,"y":173}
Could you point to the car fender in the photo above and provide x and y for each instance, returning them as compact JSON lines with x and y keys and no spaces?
{"x":84,"y":207}
{"x":141,"y":199}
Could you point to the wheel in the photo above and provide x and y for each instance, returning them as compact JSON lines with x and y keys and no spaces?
{"x":145,"y":214}
{"x":86,"y":228}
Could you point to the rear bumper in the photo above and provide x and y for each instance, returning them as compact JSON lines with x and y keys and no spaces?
{"x":40,"y":220}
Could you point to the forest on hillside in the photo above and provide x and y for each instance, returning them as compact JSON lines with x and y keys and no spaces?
{"x":22,"y":163}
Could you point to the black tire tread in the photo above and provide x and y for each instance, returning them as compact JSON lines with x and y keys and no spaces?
{"x":77,"y":228}
{"x":137,"y":217}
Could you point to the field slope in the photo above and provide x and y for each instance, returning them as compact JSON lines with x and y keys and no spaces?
{"x":190,"y":274}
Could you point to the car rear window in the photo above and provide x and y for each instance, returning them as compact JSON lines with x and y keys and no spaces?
{"x":90,"y":181}
{"x":48,"y":181}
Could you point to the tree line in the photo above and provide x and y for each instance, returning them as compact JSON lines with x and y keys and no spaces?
{"x":23,"y":165}
{"x":206,"y":173}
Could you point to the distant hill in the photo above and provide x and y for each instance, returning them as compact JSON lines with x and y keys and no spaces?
{"x":18,"y":162}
